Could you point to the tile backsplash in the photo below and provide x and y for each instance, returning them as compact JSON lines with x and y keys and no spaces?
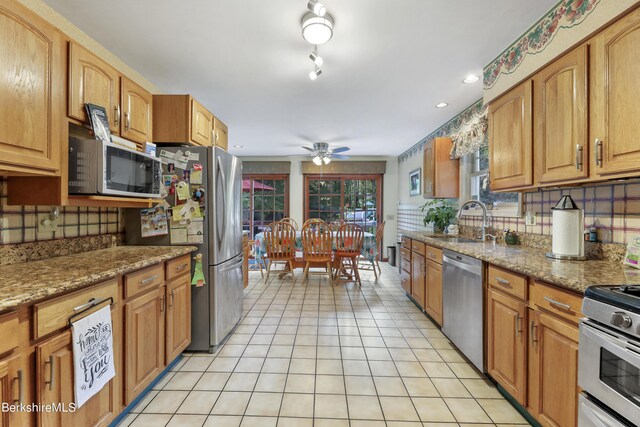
{"x":612,"y":208}
{"x":19,"y":224}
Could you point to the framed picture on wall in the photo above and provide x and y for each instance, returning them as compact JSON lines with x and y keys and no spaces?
{"x":415,"y":182}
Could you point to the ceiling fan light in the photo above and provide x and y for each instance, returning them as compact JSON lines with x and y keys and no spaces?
{"x":316,"y":59}
{"x":317,"y":7}
{"x":317,"y":29}
{"x":317,"y":160}
{"x":326,"y":160}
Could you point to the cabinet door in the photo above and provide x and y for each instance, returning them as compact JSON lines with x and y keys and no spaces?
{"x":560,"y":116}
{"x":136,"y":107}
{"x":433,"y":299}
{"x":553,"y":370}
{"x":506,"y":335}
{"x":54,"y":385}
{"x":144,"y":338}
{"x":511,"y":139}
{"x":32,"y":84}
{"x":221,"y":134}
{"x":615,"y":91}
{"x":13,"y":390}
{"x":201,"y":124}
{"x":417,"y":278}
{"x":92,"y":81}
{"x":178,"y":299}
{"x":428,"y":169}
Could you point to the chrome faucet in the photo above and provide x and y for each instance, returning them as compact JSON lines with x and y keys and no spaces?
{"x":484,"y":215}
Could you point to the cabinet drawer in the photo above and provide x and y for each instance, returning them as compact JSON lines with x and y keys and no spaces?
{"x":434,"y":254}
{"x":555,"y":300}
{"x":8,"y":335}
{"x":506,"y":281}
{"x":405,"y":254}
{"x":406,"y":242}
{"x":405,"y":278}
{"x":178,"y":266}
{"x":417,"y":247}
{"x":142,"y":280}
{"x":54,"y":314}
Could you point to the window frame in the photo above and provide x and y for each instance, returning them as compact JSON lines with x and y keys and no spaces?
{"x":253,"y":177}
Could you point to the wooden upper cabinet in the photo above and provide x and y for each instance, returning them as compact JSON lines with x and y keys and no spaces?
{"x":561,"y":119}
{"x":32,"y":85}
{"x":511,"y":139}
{"x":506,"y":343}
{"x":137,"y":105}
{"x":92,"y":81}
{"x":54,"y":385}
{"x":201,"y":124}
{"x":614,"y":98}
{"x":553,"y":370}
{"x":441,"y":173}
{"x":221,"y":132}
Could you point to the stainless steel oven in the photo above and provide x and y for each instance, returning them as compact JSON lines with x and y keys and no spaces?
{"x":609,"y":363}
{"x":97,"y":167}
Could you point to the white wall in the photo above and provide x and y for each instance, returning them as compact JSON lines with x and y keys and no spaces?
{"x":389,"y":190}
{"x":404,"y":168}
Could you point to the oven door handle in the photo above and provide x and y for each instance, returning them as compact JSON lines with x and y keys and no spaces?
{"x":609,"y":341}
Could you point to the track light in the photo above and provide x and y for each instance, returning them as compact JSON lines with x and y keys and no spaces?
{"x":316,"y":58}
{"x":317,"y":7}
{"x":317,"y":160}
{"x":315,"y":73}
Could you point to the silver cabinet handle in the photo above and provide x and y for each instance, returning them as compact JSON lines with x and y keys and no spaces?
{"x":182,"y":267}
{"x":116,"y":115}
{"x":92,"y":301}
{"x":578,"y":156}
{"x":127,"y":121}
{"x":598,"y":152}
{"x":518,"y":328}
{"x":534,"y":337}
{"x":503,"y":282}
{"x":148,"y":279}
{"x":557,"y":303}
{"x":171,"y":303}
{"x":52,"y":371}
{"x":19,"y":378}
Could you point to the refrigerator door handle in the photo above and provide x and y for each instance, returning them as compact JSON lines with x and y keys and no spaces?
{"x":224,"y":204}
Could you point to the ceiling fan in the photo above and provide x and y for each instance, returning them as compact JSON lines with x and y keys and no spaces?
{"x":323,"y":154}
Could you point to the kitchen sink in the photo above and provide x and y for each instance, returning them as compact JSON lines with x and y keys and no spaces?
{"x":453,"y":239}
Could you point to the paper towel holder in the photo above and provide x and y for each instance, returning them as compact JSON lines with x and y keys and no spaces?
{"x":566,"y":203}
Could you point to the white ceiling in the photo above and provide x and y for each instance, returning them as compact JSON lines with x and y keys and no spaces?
{"x":387,"y":65}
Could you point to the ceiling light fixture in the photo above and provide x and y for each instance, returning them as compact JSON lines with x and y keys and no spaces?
{"x":316,"y":58}
{"x":471,"y":78}
{"x":326,"y":160}
{"x":238,"y":146}
{"x":315,"y":73}
{"x":441,"y":105}
{"x":317,"y":29}
{"x":317,"y":7}
{"x":317,"y":160}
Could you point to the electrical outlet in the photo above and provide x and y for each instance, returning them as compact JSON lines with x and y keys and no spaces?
{"x":46,"y":224}
{"x":530,"y":218}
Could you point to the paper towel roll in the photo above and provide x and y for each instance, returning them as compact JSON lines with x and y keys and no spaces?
{"x":568,"y":232}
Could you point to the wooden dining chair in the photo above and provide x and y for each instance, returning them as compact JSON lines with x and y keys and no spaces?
{"x":312,"y":221}
{"x":290,"y":221}
{"x":367,"y":264}
{"x":280,"y":244}
{"x":349,"y":241}
{"x":336,"y":224}
{"x":317,"y":247}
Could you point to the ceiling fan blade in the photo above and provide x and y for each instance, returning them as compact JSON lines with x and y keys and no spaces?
{"x":308,"y":148}
{"x":339,"y":156}
{"x":340,"y":149}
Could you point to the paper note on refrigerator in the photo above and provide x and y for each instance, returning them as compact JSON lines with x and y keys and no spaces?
{"x":196,"y":176}
{"x":178,"y":236}
{"x":196,"y":226}
{"x":182,"y":190}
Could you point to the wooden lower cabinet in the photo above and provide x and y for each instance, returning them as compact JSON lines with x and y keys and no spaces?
{"x":54,"y":373}
{"x":553,"y":370}
{"x":144,"y":341}
{"x":418,"y":278}
{"x":178,"y":297}
{"x":13,"y":389}
{"x":433,"y":298}
{"x":507,"y":343}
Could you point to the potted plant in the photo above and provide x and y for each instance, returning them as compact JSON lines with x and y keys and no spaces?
{"x":439,"y":212}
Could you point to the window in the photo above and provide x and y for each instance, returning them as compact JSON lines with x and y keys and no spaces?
{"x":353,"y":198}
{"x":265,"y":199}
{"x":499,"y":204}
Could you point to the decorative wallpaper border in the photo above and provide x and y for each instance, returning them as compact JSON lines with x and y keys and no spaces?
{"x":566,"y":14}
{"x":453,"y":126}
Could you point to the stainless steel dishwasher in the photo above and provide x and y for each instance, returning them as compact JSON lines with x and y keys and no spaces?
{"x":462,"y":304}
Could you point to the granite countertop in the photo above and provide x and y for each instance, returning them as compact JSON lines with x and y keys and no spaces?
{"x":572,"y":275}
{"x":31,"y":281}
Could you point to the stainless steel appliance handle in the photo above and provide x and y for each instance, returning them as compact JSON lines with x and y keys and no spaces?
{"x":606,"y":339}
{"x":467,"y":267}
{"x":224,"y":203}
{"x":557,"y":303}
{"x":235,"y":265}
{"x":596,"y":415}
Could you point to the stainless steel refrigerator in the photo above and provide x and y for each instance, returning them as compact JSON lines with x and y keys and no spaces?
{"x":216,"y":306}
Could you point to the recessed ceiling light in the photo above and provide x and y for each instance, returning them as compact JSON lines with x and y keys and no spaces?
{"x":471,"y":78}
{"x":238,"y":146}
{"x":441,"y":105}
{"x":317,"y":29}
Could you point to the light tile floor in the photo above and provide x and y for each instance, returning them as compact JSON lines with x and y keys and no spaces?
{"x":309,"y":354}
